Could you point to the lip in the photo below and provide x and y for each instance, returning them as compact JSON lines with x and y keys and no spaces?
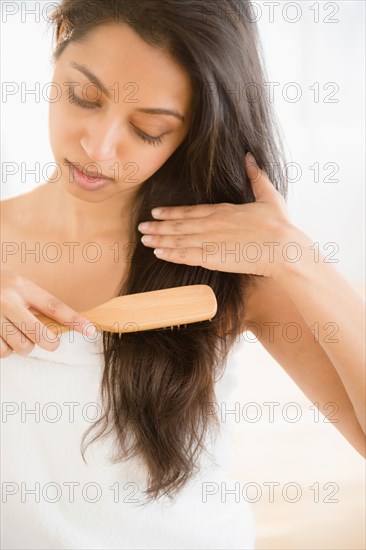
{"x":88,"y":180}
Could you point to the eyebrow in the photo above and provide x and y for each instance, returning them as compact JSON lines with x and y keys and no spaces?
{"x":95,"y":80}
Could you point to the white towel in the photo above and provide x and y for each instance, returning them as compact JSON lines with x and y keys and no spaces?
{"x":52,"y":499}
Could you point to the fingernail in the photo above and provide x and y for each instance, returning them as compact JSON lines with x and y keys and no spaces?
{"x":250,"y":158}
{"x":3,"y":346}
{"x":146,"y":239}
{"x":90,"y":330}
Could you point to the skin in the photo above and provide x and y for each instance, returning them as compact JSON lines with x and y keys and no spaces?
{"x":300,"y":293}
{"x":106,"y":135}
{"x":104,"y":138}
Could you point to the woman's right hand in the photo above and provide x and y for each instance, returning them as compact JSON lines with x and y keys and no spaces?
{"x":20,"y":329}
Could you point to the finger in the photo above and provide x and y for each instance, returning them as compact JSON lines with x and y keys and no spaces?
{"x":169,"y":241}
{"x":187,"y":256}
{"x":176,"y":227}
{"x":5,"y":350}
{"x":208,"y":256}
{"x":46,"y":303}
{"x":14,"y":338}
{"x":29,"y":325}
{"x":181,"y":212}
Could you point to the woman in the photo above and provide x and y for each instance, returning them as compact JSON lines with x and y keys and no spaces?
{"x":143,"y":101}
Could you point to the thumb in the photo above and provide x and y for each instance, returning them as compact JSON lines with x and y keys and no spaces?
{"x":261,"y":184}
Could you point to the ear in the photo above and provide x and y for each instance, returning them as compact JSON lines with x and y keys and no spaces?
{"x":64,"y":30}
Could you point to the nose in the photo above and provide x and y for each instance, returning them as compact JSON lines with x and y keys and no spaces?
{"x":101,"y":139}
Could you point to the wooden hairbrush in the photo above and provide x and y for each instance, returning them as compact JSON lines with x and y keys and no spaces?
{"x":147,"y":310}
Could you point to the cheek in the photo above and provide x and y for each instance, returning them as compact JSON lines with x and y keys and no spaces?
{"x":60,"y":125}
{"x":149,"y":162}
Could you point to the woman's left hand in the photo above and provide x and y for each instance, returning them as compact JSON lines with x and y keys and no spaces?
{"x":236,"y":238}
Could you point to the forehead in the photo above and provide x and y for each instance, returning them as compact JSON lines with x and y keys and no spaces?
{"x":118,"y":56}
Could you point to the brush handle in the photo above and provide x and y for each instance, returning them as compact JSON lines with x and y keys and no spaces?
{"x":148,"y":310}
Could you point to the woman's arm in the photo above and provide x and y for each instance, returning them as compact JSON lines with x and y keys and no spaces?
{"x":329,"y":305}
{"x":275,"y":321}
{"x":325,"y":302}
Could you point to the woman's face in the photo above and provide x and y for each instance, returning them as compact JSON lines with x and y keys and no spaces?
{"x":108,"y":133}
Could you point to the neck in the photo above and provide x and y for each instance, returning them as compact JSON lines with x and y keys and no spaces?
{"x":83,"y":220}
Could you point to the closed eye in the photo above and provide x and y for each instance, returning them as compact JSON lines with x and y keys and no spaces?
{"x":145,"y":137}
{"x":92,"y":105}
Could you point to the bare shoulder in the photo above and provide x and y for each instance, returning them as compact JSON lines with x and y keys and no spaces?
{"x":267,"y":299}
{"x":8,"y":209}
{"x":6,"y":205}
{"x":264,"y":295}
{"x":16,"y":211}
{"x":10,"y":206}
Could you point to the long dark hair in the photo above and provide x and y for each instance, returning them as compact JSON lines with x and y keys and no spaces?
{"x":156,"y":384}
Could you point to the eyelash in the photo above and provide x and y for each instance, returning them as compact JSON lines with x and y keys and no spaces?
{"x":89,"y":105}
